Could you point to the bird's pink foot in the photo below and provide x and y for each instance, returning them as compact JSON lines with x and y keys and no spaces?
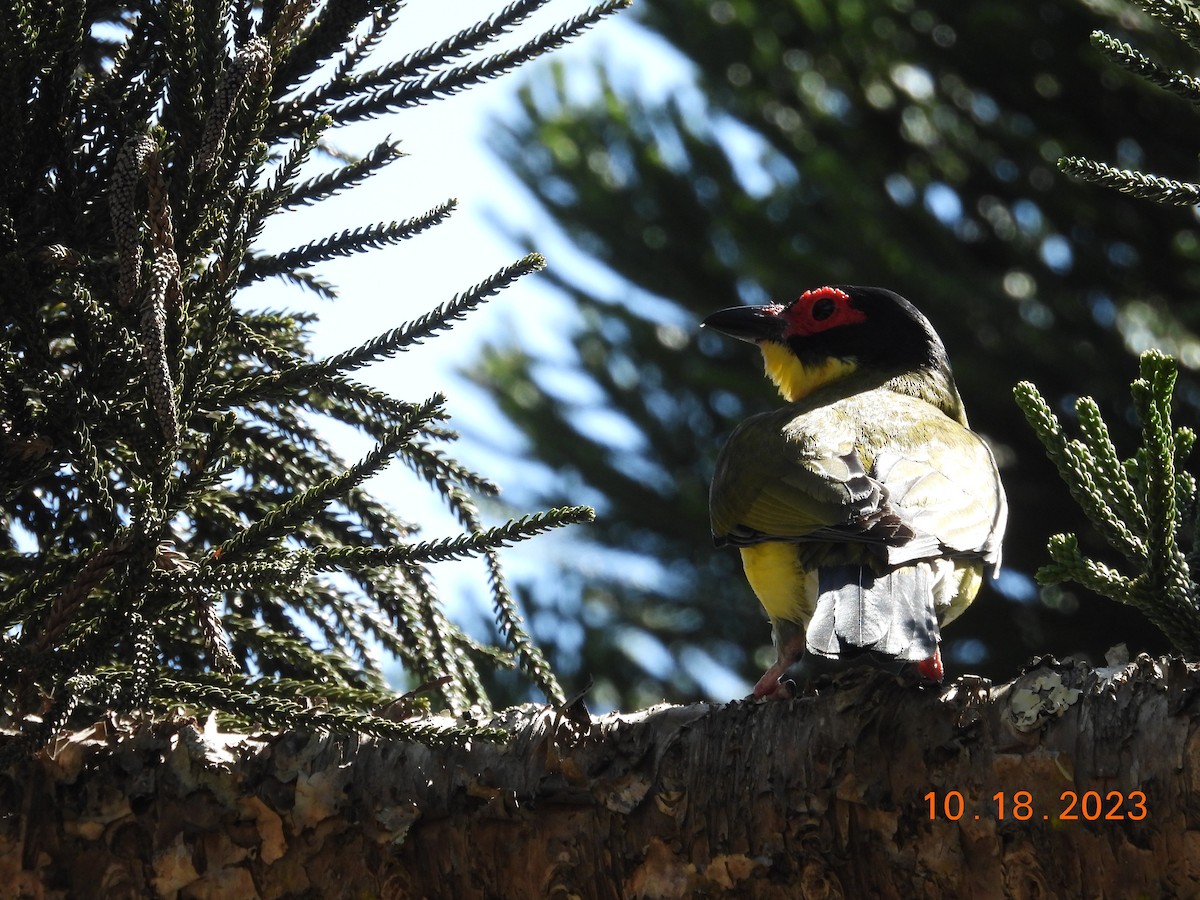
{"x":789,"y":643}
{"x":771,"y":686}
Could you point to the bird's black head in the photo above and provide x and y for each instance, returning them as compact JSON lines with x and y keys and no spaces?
{"x":830,"y":332}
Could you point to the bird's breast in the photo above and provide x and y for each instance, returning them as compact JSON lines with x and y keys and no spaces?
{"x":784,"y":587}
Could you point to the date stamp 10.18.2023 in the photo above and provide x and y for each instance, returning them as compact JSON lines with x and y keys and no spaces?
{"x":1021,"y":806}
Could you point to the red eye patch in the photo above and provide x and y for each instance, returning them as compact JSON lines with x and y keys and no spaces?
{"x":820,"y":310}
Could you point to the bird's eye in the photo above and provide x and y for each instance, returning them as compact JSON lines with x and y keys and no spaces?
{"x":823,"y":309}
{"x":820,"y":310}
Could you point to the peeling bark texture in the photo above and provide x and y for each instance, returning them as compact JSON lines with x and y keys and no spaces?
{"x":824,"y":796}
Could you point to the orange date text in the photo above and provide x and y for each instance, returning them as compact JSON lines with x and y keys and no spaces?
{"x":1088,"y":806}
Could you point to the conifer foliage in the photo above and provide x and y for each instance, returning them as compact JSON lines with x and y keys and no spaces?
{"x":1182,"y":19}
{"x":1144,"y":506}
{"x":176,"y":532}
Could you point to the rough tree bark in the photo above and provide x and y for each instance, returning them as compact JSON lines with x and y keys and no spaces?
{"x":824,"y":796}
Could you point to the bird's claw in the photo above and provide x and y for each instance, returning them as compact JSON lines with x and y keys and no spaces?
{"x":772,"y":686}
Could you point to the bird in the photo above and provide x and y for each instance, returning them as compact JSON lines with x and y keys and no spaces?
{"x":866,"y":511}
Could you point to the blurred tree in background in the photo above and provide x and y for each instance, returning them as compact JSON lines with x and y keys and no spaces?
{"x":904,"y":144}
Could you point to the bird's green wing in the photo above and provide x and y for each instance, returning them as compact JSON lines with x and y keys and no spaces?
{"x":877,"y":467}
{"x":786,"y":476}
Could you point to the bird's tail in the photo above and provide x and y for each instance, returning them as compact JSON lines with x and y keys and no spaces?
{"x":891,"y":613}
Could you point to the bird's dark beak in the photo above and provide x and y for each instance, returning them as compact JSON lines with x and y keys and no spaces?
{"x":748,"y":323}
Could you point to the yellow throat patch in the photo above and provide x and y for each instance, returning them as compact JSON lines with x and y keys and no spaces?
{"x":793,"y":378}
